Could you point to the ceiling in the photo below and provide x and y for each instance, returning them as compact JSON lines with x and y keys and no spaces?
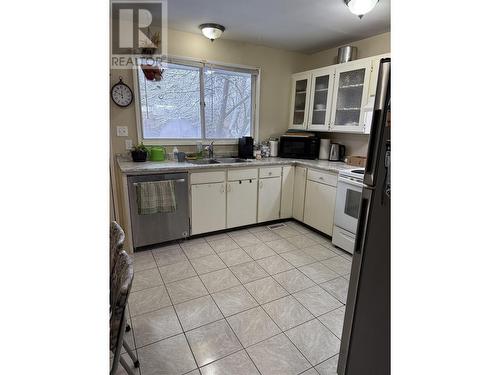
{"x":296,"y":25}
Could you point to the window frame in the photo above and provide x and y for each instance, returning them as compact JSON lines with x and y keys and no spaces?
{"x":255,"y":100}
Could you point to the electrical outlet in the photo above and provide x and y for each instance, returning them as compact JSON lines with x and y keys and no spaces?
{"x":122,"y":131}
{"x":128,"y":144}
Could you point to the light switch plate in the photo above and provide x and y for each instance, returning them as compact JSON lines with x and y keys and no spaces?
{"x":128,"y":144}
{"x":122,"y":131}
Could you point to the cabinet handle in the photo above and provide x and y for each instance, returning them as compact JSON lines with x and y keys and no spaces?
{"x":321,"y":178}
{"x":222,"y":189}
{"x":270,"y":173}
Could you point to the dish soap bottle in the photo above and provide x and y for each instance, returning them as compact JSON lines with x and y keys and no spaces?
{"x":176,"y":151}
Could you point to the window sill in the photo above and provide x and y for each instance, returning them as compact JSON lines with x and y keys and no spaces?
{"x":187,"y":142}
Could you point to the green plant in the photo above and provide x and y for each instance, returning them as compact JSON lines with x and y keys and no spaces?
{"x":140,"y":147}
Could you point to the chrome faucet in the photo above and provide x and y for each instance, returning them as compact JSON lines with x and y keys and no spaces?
{"x":210,"y":149}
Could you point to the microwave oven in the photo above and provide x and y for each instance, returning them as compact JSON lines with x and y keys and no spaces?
{"x":299,"y":146}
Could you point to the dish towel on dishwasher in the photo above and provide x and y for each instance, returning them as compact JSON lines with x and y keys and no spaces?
{"x":156,"y":196}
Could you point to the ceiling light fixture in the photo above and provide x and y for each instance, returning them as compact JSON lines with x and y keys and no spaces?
{"x":360,"y":7}
{"x":212,"y":30}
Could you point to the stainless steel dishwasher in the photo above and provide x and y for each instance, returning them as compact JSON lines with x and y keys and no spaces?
{"x":164,"y":226}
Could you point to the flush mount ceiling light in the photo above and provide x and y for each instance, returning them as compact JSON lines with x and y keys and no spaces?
{"x":212,"y":30}
{"x":360,"y":7}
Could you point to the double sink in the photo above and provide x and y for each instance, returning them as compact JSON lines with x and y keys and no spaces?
{"x":219,"y":161}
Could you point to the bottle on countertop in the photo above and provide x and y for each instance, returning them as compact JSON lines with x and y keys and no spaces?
{"x":176,"y":151}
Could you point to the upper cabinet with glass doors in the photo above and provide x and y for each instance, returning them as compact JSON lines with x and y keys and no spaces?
{"x":320,"y":101}
{"x":300,"y":100}
{"x":337,"y":98}
{"x":350,"y":96}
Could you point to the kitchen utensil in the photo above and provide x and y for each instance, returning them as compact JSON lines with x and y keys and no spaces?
{"x":324,"y":149}
{"x":347,"y":53}
{"x":181,"y":157}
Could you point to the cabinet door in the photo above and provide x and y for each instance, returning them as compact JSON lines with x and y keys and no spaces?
{"x":269,"y":199}
{"x":287,"y":183}
{"x":350,"y":96}
{"x":208,"y":207}
{"x":299,"y":100}
{"x":241,"y":203}
{"x":319,"y":206}
{"x":299,"y":193}
{"x":375,"y":61}
{"x":320,"y":101}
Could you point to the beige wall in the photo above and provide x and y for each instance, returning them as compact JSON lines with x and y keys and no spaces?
{"x":276,"y":67}
{"x":375,"y":45}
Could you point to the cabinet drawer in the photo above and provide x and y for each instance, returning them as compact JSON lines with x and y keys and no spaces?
{"x":322,"y":177}
{"x":208,"y":177}
{"x":269,"y":172}
{"x":241,"y":174}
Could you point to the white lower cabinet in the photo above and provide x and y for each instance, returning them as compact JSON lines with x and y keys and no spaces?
{"x":319,"y":206}
{"x":269,"y":199}
{"x":208,"y":207}
{"x":287,"y":183}
{"x":299,"y":193}
{"x":241,"y":203}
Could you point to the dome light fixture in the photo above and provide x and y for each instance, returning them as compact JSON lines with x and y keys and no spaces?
{"x":212,"y":30}
{"x":360,"y":7}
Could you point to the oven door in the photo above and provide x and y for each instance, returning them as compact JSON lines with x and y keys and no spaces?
{"x":348,"y":204}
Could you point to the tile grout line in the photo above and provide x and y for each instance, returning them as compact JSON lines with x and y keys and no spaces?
{"x":177,"y":315}
{"x":227,"y":322}
{"x":203,"y":240}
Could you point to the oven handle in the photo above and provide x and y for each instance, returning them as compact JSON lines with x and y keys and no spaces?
{"x":350,"y":182}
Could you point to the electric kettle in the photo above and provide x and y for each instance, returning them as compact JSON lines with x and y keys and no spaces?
{"x":337,"y":152}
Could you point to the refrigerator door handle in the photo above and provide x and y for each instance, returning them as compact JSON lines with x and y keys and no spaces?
{"x":378,"y":119}
{"x":362,"y":222}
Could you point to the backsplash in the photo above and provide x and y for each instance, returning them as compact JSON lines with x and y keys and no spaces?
{"x":355,"y":144}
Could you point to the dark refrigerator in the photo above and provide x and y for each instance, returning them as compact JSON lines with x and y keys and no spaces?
{"x":365,"y":345}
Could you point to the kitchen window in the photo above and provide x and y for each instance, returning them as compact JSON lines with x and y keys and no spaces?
{"x":196,"y":101}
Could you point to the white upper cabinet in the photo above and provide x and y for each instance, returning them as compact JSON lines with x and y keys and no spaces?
{"x":375,"y":61}
{"x":320,"y":101}
{"x":350,"y":95}
{"x":299,"y":106}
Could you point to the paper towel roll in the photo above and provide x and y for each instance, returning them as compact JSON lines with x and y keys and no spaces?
{"x":274,"y":148}
{"x":324,"y":149}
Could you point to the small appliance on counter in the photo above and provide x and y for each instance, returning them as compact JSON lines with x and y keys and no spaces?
{"x":157,"y":153}
{"x":301,"y":145}
{"x":273,"y":145}
{"x":337,"y":152}
{"x":324,"y":149}
{"x":245,"y":148}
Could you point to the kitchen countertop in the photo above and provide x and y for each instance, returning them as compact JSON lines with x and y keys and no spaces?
{"x":129,"y":167}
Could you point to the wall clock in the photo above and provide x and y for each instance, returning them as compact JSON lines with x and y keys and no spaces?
{"x":121,"y":94}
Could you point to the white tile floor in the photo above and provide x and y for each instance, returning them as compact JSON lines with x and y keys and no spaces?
{"x":251,"y":301}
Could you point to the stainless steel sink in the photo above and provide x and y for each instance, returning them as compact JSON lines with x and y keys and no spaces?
{"x":219,"y":160}
{"x":204,"y":161}
{"x":231,"y":160}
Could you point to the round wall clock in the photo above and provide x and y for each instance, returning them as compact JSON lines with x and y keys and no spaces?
{"x":122,"y":94}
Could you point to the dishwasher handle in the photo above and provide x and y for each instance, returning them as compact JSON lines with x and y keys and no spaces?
{"x":179,"y":180}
